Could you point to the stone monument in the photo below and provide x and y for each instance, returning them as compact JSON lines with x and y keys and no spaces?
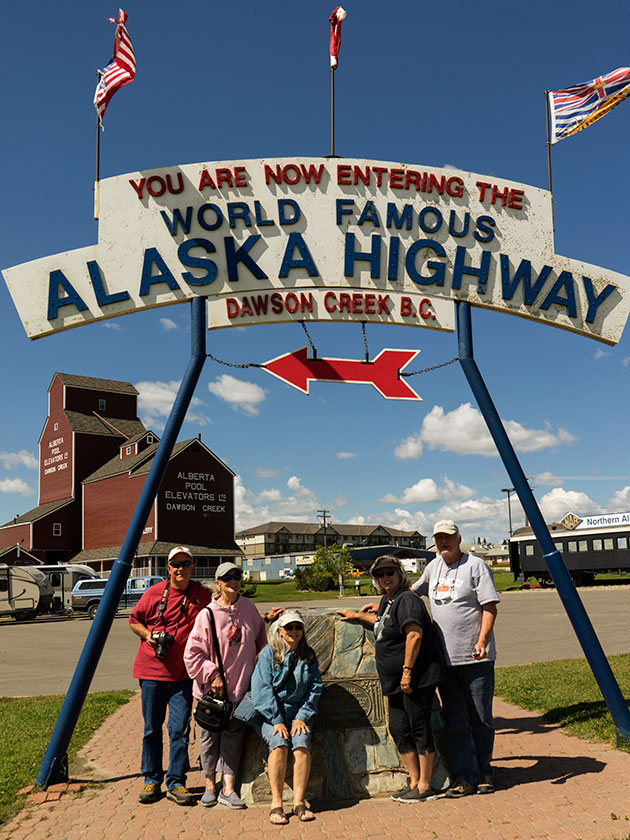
{"x":354,"y":756}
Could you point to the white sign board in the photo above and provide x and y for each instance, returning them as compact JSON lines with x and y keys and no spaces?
{"x":320,"y":239}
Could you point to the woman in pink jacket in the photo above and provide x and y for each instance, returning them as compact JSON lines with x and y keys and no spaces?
{"x":241,"y":634}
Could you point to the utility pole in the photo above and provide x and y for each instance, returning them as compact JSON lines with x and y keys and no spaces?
{"x":324,"y":517}
{"x":509,"y":490}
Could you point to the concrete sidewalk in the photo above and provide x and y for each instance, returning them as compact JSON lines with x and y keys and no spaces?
{"x":550,"y":786}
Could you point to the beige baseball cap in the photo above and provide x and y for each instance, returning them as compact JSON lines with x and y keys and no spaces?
{"x":445,"y":526}
{"x":290,"y":617}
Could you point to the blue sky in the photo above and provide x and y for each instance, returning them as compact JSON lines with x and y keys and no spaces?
{"x":457,"y":84}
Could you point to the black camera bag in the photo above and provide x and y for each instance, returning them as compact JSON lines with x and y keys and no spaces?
{"x":214,"y":713}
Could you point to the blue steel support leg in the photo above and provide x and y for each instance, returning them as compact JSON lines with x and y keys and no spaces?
{"x":54,"y":757}
{"x":566,"y":590}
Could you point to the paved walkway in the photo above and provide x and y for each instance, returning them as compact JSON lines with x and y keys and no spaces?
{"x":550,"y":786}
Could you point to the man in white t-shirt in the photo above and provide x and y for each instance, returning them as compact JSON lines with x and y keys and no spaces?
{"x":463,"y":598}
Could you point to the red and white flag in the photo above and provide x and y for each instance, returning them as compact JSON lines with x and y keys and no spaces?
{"x":121,"y":69}
{"x":335,"y":35}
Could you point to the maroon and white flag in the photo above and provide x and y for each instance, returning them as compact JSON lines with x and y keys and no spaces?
{"x":121,"y":69}
{"x":335,"y":35}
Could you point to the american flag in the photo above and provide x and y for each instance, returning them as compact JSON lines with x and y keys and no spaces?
{"x":577,"y":107}
{"x":121,"y":69}
{"x":335,"y":35}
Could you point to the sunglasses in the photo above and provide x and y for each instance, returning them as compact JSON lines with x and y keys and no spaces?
{"x":293,"y":627}
{"x":379,"y":573}
{"x":231,"y":576}
{"x":180,"y":564}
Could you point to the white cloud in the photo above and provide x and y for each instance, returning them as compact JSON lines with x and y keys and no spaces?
{"x":409,"y":448}
{"x":625,"y":361}
{"x":23,"y":458}
{"x":295,"y":484}
{"x":340,"y":500}
{"x":600,"y":353}
{"x":547,"y":479}
{"x":238,"y":393}
{"x":269,"y":496}
{"x":168,"y":324}
{"x":15,"y":485}
{"x":559,"y":501}
{"x":270,"y":505}
{"x":426,"y":491}
{"x":112,"y":325}
{"x":422,"y":492}
{"x":344,"y":456}
{"x":156,"y":399}
{"x":464,"y":432}
{"x":263,"y":472}
{"x":620,"y":501}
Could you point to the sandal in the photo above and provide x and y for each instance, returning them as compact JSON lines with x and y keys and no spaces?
{"x":282,"y":817}
{"x":303,"y":813}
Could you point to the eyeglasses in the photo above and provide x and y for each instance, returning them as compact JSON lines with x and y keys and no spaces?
{"x":180,"y":564}
{"x":379,"y":573}
{"x":293,"y":627}
{"x":231,"y":576}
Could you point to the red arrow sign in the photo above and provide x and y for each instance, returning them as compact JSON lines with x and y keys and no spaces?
{"x":298,"y":370}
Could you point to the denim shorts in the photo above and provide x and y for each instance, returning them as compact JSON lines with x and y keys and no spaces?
{"x":293,"y":742}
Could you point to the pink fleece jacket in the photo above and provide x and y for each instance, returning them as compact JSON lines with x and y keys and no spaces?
{"x":238,"y":649}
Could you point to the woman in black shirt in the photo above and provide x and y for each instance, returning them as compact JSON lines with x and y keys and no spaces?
{"x":409,"y":667}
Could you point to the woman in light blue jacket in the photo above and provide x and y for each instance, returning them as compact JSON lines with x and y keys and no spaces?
{"x":286,"y":686}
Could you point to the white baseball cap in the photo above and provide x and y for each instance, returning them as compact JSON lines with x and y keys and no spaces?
{"x":180,"y":549}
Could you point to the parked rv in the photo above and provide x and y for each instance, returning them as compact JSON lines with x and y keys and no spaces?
{"x":24,"y":592}
{"x":414,"y":565}
{"x":63,"y":577}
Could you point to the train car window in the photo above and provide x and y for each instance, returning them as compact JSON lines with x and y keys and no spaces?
{"x":583,"y":545}
{"x":609,"y":545}
{"x":622,"y":542}
{"x":529,"y":550}
{"x":572,"y":546}
{"x":559,"y":546}
{"x":597,"y":545}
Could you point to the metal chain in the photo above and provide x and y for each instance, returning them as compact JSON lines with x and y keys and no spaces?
{"x":425,"y":370}
{"x":232,"y":364}
{"x":309,"y":339}
{"x":365,"y":344}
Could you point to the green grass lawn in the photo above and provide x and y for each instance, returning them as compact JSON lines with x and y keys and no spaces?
{"x":565,"y":691}
{"x":286,"y":590}
{"x":26,"y":724}
{"x":270,"y":592}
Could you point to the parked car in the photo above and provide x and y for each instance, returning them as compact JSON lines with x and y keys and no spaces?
{"x":87,"y":594}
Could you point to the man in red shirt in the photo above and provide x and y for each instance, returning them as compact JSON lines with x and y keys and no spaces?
{"x":163,"y":618}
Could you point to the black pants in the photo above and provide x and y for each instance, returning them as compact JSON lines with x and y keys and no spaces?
{"x":410,"y":720}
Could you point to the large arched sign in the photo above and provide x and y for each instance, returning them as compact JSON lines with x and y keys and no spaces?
{"x":320,"y":239}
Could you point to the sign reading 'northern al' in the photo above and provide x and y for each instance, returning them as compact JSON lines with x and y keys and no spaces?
{"x":270,"y":241}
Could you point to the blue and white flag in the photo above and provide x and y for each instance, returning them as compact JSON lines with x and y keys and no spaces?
{"x":577,"y":107}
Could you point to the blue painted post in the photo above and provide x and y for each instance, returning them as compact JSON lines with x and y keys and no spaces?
{"x":566,"y":590}
{"x":55,"y":756}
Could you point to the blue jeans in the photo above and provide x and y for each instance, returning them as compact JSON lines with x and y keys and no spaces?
{"x":157,"y":695}
{"x":466,"y":695}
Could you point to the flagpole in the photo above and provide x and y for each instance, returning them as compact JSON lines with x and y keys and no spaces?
{"x":332,"y":112}
{"x":553,"y":219}
{"x":99,"y":73}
